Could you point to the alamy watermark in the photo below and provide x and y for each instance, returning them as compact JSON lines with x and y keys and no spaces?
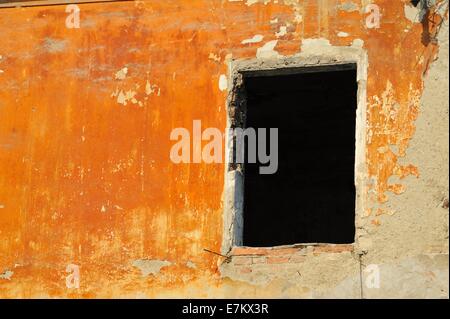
{"x":73,"y":17}
{"x":372,"y":278}
{"x":73,"y":278}
{"x":259,"y":148}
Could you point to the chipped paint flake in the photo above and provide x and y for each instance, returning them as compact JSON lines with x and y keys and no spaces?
{"x":282,"y":32}
{"x":121,"y":74}
{"x":115,"y":93}
{"x":267,"y":50}
{"x":412,"y":13}
{"x":148,"y":88}
{"x":255,"y":39}
{"x":342,"y":34}
{"x":7,"y":275}
{"x":223,"y":82}
{"x":214,"y":57}
{"x":252,"y":2}
{"x":315,"y":44}
{"x":121,"y":98}
{"x":296,"y":6}
{"x":152,"y":88}
{"x":125,"y":97}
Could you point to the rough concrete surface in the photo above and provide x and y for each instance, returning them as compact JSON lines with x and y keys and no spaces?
{"x":412,"y":245}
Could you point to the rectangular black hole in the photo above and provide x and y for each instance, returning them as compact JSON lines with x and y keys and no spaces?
{"x":311,"y":198}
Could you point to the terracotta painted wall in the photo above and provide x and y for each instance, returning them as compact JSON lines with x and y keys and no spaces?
{"x":85,"y":175}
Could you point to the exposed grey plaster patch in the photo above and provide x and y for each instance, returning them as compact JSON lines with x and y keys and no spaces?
{"x":267,"y":50}
{"x":152,"y":267}
{"x":421,"y":276}
{"x":255,"y":39}
{"x":54,"y":45}
{"x":314,"y":274}
{"x":417,"y":13}
{"x":442,"y":11}
{"x":350,"y":287}
{"x":411,"y":246}
{"x":314,"y":44}
{"x":260,"y":275}
{"x":413,"y":14}
{"x":6,"y":275}
{"x":190,"y":264}
{"x":348,"y":6}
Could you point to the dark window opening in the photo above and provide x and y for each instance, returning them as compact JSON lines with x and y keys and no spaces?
{"x":311,"y":197}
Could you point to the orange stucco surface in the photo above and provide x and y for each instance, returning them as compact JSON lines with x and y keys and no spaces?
{"x":87,"y":180}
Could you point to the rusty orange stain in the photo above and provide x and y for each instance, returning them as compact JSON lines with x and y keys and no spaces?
{"x":87,"y":180}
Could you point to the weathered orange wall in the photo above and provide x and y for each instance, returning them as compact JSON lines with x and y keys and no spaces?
{"x":87,"y":180}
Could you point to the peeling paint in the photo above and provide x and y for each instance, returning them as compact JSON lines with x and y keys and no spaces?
{"x":214,"y":57}
{"x":316,"y":45}
{"x":358,"y":43}
{"x":121,"y":74}
{"x":125,"y":97}
{"x":282,"y":32}
{"x":223,"y":82}
{"x":342,"y":34}
{"x":78,"y":150}
{"x":252,"y":2}
{"x":7,"y":275}
{"x":151,"y":88}
{"x":412,"y":13}
{"x":255,"y":39}
{"x":267,"y":50}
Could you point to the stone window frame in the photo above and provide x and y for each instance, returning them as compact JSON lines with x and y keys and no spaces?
{"x":329,"y":57}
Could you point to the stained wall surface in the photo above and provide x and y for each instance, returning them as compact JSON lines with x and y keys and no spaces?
{"x":85,"y":174}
